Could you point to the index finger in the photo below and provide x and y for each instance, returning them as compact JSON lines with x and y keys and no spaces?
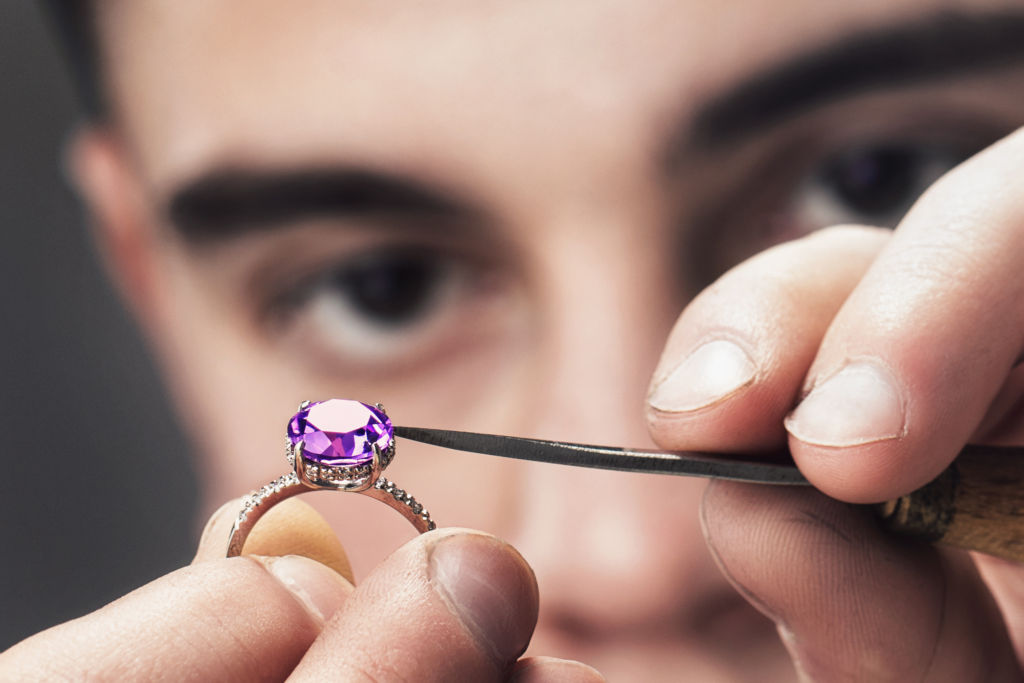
{"x":916,"y":354}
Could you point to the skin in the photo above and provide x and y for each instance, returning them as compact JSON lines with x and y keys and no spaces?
{"x":585,"y":244}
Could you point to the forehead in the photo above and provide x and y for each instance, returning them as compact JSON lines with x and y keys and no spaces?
{"x":206,"y":82}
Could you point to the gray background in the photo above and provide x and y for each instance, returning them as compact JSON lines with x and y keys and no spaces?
{"x":96,"y":490}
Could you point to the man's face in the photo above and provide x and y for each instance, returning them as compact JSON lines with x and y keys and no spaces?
{"x":487,"y":216}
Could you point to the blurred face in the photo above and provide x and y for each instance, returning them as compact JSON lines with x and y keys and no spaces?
{"x":487,"y":216}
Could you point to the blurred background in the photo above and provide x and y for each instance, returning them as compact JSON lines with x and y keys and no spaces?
{"x":96,"y":490}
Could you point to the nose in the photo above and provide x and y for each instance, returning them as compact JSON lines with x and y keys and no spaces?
{"x":614,"y":552}
{"x":611,"y":551}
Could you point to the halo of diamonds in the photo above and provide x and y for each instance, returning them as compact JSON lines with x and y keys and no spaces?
{"x":336,"y":477}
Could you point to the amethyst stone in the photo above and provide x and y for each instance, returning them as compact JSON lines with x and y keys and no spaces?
{"x":340,"y":433}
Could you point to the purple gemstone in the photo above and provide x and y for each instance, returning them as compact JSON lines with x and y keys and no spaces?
{"x":340,"y":433}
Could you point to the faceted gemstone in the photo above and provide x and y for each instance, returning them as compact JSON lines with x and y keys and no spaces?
{"x":340,"y":433}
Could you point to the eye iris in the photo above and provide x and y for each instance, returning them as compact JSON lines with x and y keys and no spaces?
{"x":876,"y":181}
{"x":391,"y":290}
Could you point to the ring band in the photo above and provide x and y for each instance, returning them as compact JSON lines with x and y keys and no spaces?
{"x":336,"y":445}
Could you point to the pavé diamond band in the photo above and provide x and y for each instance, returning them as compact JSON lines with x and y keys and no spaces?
{"x":336,"y":445}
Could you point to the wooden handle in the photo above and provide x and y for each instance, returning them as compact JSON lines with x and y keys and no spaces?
{"x":976,"y":504}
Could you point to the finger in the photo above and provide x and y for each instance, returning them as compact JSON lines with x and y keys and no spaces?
{"x":850,"y":602}
{"x":734,"y":364}
{"x":219,"y":619}
{"x":551,"y":670}
{"x":917,"y":353}
{"x":289,"y":528}
{"x":237,"y":619}
{"x":1005,"y":580}
{"x":449,"y":605}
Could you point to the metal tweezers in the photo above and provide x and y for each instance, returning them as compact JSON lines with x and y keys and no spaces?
{"x":765,"y":469}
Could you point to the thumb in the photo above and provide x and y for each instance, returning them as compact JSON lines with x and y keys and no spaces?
{"x":449,"y":605}
{"x":291,"y":527}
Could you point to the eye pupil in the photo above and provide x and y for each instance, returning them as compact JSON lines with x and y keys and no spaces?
{"x":876,"y":181}
{"x":390,"y":290}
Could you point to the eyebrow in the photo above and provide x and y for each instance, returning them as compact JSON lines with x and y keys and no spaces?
{"x":941,"y":46}
{"x":227,"y":203}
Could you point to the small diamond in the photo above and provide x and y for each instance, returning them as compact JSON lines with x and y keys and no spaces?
{"x":417,"y":508}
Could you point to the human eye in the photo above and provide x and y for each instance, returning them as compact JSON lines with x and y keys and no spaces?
{"x":828,"y":175}
{"x":386,"y":291}
{"x":385,"y":308}
{"x":870,"y":183}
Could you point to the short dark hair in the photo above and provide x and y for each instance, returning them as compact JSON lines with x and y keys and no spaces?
{"x":74,"y":22}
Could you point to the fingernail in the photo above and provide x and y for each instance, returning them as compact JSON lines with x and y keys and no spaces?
{"x":490,"y":589}
{"x":858,"y":405}
{"x":318,"y":588}
{"x":714,"y":371}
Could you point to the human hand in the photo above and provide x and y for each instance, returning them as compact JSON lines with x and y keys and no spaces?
{"x":897,"y":349}
{"x":449,"y":605}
